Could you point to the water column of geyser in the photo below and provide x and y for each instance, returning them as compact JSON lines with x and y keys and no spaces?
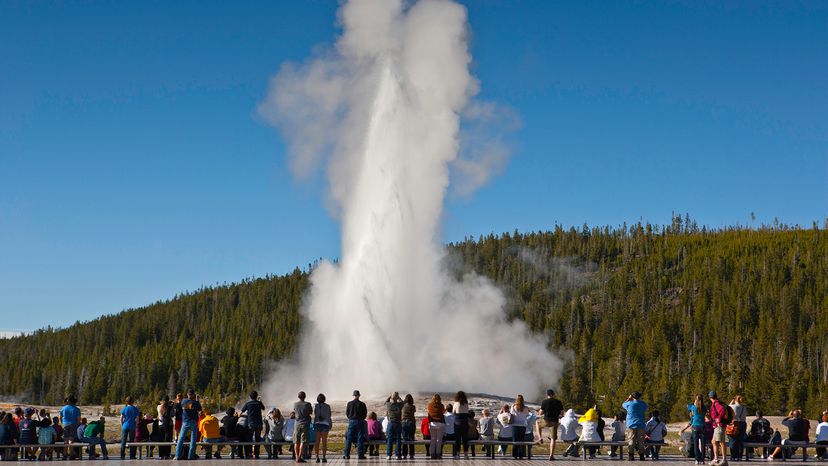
{"x":382,"y":110}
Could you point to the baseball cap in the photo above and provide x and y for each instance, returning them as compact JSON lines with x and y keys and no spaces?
{"x":712,"y":394}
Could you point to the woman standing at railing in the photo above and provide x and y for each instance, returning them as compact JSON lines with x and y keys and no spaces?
{"x":322,"y":422}
{"x":697,"y":411}
{"x":461,"y":423}
{"x":409,"y":424}
{"x":520,"y":413}
{"x":436,"y":426}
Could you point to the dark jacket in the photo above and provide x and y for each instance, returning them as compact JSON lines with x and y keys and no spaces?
{"x":356,"y":410}
{"x":254,"y":409}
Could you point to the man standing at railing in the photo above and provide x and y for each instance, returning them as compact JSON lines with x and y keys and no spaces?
{"x":254,"y":408}
{"x":301,"y":431}
{"x":190,"y":407}
{"x":356,"y":411}
{"x":551,"y":410}
{"x":636,"y":410}
{"x":70,"y":419}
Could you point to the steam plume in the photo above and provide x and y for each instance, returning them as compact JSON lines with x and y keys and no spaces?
{"x":382,"y":111}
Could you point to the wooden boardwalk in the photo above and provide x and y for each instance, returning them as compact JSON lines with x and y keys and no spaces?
{"x":338,"y":461}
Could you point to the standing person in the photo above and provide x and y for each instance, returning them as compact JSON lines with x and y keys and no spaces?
{"x":177,"y":415}
{"x":520,"y":413}
{"x":129,"y":421}
{"x":551,"y":411}
{"x":322,"y":422}
{"x":254,"y":408}
{"x":636,"y":409}
{"x":356,"y":412}
{"x":737,"y":440}
{"x":165,"y":410}
{"x":190,"y":407}
{"x":301,"y":433}
{"x":461,"y":423}
{"x":697,"y":410}
{"x":719,"y":414}
{"x":408,"y":426}
{"x":93,"y":434}
{"x":393,"y":412}
{"x":436,"y":426}
{"x":70,"y":416}
{"x":656,"y":429}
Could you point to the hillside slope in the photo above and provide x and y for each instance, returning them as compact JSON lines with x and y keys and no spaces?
{"x":668,"y":311}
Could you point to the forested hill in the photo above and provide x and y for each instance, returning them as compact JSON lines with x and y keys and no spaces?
{"x":668,"y":311}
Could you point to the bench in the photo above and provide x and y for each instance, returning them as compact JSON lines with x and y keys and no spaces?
{"x":804,"y":446}
{"x":229,"y":443}
{"x":52,"y":446}
{"x":619,"y":443}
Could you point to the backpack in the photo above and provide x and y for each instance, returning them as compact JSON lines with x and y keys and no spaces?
{"x":728,"y":417}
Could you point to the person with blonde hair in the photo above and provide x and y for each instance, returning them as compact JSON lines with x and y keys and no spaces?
{"x":740,"y":422}
{"x":589,"y":430}
{"x":520,"y":415}
{"x":436,"y":426}
{"x":697,"y":410}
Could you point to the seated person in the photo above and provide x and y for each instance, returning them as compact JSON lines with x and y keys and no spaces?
{"x":374,"y":433}
{"x":210,"y":432}
{"x":760,"y":432}
{"x":589,"y":429}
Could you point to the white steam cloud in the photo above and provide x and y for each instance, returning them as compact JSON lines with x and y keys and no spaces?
{"x":382,"y":111}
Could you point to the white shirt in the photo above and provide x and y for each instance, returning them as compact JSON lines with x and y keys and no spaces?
{"x":589,"y":432}
{"x":287,"y":430}
{"x":505,"y":429}
{"x":519,"y":417}
{"x":569,"y":427}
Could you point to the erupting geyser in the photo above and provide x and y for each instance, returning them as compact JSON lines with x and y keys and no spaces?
{"x":383,"y":111}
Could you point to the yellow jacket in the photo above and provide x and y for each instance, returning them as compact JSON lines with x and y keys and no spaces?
{"x":590,"y":416}
{"x":209,"y":427}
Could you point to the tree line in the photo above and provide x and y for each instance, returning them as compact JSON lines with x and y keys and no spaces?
{"x":669,"y":311}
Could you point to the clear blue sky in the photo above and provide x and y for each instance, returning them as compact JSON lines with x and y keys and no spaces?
{"x":133,"y":165}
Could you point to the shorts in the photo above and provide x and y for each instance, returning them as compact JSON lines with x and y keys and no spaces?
{"x":301,"y":433}
{"x":319,"y":427}
{"x":719,"y":434}
{"x":551,"y":425}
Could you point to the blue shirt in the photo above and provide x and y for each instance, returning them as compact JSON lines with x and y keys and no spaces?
{"x":636,"y":409}
{"x":69,"y":415}
{"x":698,"y":415}
{"x":191,"y":409}
{"x":129,"y":413}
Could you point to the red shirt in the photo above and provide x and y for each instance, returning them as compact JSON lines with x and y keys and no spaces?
{"x":424,"y":427}
{"x":717,"y":412}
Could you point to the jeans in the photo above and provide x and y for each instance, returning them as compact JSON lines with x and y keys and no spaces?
{"x":461,"y":433}
{"x":191,"y":427}
{"x":127,"y":435}
{"x":698,"y":443}
{"x":408,"y":434}
{"x":435,"y":448}
{"x":518,"y":434}
{"x":208,"y":449}
{"x":393,"y":438}
{"x":737,"y":443}
{"x":92,"y":441}
{"x":354,"y":430}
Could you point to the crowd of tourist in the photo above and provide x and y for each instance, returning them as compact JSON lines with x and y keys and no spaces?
{"x":713,"y":428}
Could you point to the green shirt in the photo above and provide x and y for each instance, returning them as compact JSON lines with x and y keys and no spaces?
{"x":93,"y":429}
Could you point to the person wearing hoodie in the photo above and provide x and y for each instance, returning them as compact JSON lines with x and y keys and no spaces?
{"x":569,"y":432}
{"x":589,"y":430}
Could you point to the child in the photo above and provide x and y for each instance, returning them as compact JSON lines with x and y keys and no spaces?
{"x":142,"y":433}
{"x":45,"y":436}
{"x":58,"y":436}
{"x":655,"y":430}
{"x":569,"y":433}
{"x":374,"y":433}
{"x":619,"y":431}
